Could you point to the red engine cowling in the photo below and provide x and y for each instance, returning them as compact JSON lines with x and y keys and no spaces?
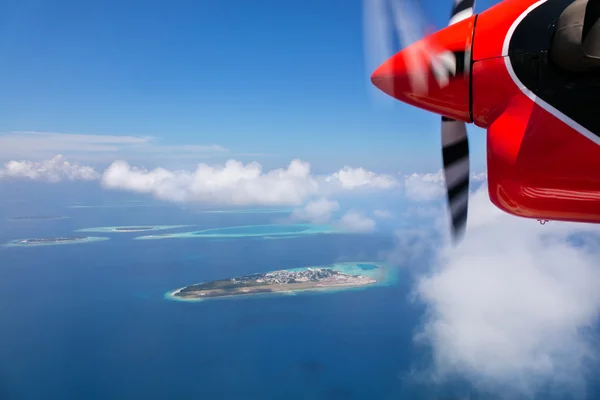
{"x":541,"y":163}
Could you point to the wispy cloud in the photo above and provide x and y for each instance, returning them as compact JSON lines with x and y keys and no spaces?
{"x":43,"y":145}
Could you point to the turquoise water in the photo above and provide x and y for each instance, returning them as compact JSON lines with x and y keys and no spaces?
{"x":367,"y":267}
{"x":256,"y":230}
{"x":114,"y":228}
{"x":270,"y":231}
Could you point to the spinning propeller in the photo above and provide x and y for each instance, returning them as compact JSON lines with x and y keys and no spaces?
{"x":431,"y":73}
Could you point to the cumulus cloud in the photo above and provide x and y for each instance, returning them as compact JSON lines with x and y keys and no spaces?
{"x":431,"y":186}
{"x":428,"y":186}
{"x":317,"y":212}
{"x":354,"y":221}
{"x":232,"y":183}
{"x":237,"y":183}
{"x":509,"y":308}
{"x":54,"y":170}
{"x":321,"y":211}
{"x":423,"y":211}
{"x":353,"y":178}
{"x":479,"y":177}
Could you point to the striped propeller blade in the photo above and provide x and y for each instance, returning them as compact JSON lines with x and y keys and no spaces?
{"x":455,"y":148}
{"x":455,"y":152}
{"x":462,"y":9}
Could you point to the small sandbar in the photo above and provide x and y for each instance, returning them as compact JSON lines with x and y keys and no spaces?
{"x":52,"y":241}
{"x":262,"y":231}
{"x":132,"y":228}
{"x":325,"y":279}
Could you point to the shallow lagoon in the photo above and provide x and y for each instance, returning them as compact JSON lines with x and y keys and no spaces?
{"x":131,"y":228}
{"x":291,"y":230}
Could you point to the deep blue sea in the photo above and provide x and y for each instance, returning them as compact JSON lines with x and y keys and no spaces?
{"x":89,"y":321}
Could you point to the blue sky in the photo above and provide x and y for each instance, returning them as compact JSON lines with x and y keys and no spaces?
{"x":282,"y":78}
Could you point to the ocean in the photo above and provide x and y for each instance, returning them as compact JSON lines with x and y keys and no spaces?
{"x":90,"y":321}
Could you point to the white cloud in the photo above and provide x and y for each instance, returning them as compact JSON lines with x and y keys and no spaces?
{"x":235,"y":183}
{"x":384,"y":214}
{"x":43,"y":145}
{"x":54,"y":170}
{"x":508,"y":308}
{"x":354,"y":221}
{"x":423,"y":211}
{"x":353,"y":178}
{"x":431,"y":186}
{"x":321,"y":212}
{"x":479,"y":177}
{"x":317,"y":212}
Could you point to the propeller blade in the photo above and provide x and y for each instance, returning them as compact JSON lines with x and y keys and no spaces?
{"x":390,"y":21}
{"x":455,"y":152}
{"x":455,"y":148}
{"x":462,"y":9}
{"x":387,"y":24}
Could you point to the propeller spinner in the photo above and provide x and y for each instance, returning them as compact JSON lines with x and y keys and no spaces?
{"x":434,"y":74}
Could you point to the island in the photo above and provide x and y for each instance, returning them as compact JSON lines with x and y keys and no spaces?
{"x":53,"y":241}
{"x":129,"y":229}
{"x":326,"y":278}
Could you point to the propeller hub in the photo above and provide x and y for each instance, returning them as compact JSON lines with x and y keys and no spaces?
{"x":433,"y":73}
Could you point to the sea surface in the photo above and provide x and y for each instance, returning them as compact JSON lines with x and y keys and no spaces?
{"x":90,"y":321}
